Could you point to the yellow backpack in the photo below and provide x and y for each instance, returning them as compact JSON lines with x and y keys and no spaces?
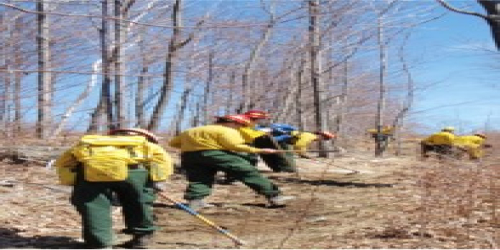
{"x":106,"y":158}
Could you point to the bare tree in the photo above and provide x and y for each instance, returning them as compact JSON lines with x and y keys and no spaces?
{"x":119,"y":104}
{"x":18,"y":62}
{"x":44,"y":74}
{"x":174,"y":46}
{"x":248,"y":99}
{"x":105,"y":105}
{"x":318,"y":88}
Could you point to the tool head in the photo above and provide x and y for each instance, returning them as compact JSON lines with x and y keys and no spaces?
{"x":135,"y":131}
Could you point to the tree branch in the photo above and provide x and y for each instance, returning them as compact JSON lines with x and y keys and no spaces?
{"x":449,"y":7}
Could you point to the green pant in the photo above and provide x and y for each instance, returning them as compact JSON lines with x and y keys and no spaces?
{"x":253,"y":159}
{"x":276,"y":162}
{"x":93,"y":201}
{"x":202,"y":166}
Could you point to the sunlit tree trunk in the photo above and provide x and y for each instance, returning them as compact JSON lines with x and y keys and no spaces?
{"x":170,"y":63}
{"x":44,"y":75}
{"x":141,"y":86}
{"x":382,"y":88}
{"x":119,"y":104}
{"x":318,"y":88}
{"x":105,"y":105}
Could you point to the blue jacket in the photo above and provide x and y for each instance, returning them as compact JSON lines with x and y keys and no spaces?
{"x":279,"y":131}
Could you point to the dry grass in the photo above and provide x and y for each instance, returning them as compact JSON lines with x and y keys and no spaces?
{"x":398,"y":202}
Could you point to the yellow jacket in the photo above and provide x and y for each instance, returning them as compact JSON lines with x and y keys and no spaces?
{"x":211,"y":137}
{"x":471,"y":143}
{"x":303,"y":140}
{"x":158,"y":162}
{"x":385,"y":130}
{"x":441,"y":138}
{"x":249,"y":134}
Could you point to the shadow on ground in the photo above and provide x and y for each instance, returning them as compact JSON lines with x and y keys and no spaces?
{"x":331,"y":182}
{"x":10,"y":238}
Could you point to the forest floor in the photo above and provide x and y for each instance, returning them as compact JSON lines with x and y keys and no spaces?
{"x":394,"y":202}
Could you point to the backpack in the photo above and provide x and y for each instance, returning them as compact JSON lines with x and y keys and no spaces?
{"x":105,"y":158}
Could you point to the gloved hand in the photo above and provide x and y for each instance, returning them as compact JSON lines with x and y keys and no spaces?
{"x":268,"y":151}
{"x":159,"y":186}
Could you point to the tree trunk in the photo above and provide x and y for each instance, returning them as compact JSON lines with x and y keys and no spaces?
{"x":170,"y":63}
{"x":493,"y":18}
{"x":208,"y":85}
{"x":289,"y":97}
{"x":248,"y":101}
{"x":118,"y":58}
{"x":318,"y":91}
{"x":382,"y":89}
{"x":44,"y":76}
{"x":4,"y":62}
{"x":18,"y":61}
{"x":298,"y":96}
{"x":105,"y":105}
{"x":188,"y":88}
{"x":139,"y":97}
{"x":232,"y":85}
{"x":196,"y":117}
{"x":343,"y":100}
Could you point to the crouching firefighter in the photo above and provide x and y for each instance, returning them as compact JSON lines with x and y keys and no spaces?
{"x":127,"y":162}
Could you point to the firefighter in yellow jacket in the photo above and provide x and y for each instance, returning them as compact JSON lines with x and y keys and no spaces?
{"x":206,"y":150}
{"x":441,"y":142}
{"x":472,"y":144}
{"x":129,"y":163}
{"x":301,"y":140}
{"x":385,"y":135}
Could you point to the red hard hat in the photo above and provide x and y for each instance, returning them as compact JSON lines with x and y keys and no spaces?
{"x":240,"y":119}
{"x":326,"y":134}
{"x":150,"y":136}
{"x":257,"y":114}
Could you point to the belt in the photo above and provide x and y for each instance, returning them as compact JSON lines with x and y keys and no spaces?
{"x":135,"y":166}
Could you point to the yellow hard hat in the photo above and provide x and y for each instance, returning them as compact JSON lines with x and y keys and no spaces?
{"x":449,"y":129}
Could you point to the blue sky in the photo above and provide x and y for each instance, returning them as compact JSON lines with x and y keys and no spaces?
{"x":464,"y":91}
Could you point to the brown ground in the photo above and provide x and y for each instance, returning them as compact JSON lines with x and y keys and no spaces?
{"x":393,"y":203}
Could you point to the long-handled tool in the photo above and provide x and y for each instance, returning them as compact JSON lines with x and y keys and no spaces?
{"x":331,"y":164}
{"x":328,"y":163}
{"x":205,"y":220}
{"x":310,"y":151}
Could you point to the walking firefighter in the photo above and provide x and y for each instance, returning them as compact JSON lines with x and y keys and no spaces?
{"x":205,"y":150}
{"x":441,"y":142}
{"x":472,"y":145}
{"x":262,"y":136}
{"x":127,"y":162}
